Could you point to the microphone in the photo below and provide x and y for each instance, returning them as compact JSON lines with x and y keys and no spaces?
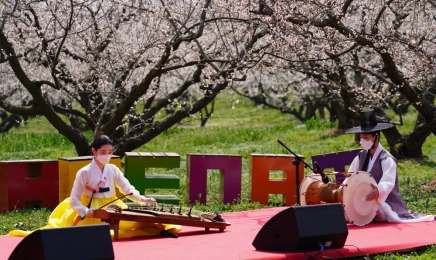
{"x":324,"y":178}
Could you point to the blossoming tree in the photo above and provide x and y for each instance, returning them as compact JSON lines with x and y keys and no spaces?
{"x":359,"y":54}
{"x":116,"y":66}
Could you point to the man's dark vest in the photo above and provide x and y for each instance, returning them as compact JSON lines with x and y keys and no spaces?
{"x":394,"y":199}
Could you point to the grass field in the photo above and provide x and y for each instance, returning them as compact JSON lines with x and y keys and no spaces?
{"x":242,"y":130}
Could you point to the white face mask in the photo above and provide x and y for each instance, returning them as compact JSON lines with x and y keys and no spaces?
{"x":104,"y":158}
{"x":366,"y":145}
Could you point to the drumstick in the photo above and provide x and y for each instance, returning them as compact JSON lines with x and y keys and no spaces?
{"x":116,"y":199}
{"x":346,"y":174}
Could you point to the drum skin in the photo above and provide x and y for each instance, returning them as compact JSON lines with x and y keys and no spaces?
{"x":309,"y":196}
{"x":351,"y":193}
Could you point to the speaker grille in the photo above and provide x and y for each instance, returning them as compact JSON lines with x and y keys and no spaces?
{"x":303,"y":228}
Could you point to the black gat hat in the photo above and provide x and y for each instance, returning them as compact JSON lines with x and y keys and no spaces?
{"x":368,"y":123}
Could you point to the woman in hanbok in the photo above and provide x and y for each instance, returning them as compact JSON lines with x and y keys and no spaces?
{"x":93,"y":188}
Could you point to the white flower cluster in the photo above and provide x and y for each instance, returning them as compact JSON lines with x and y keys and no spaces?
{"x":123,"y":64}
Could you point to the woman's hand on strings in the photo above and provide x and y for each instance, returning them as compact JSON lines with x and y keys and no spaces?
{"x":148,"y":201}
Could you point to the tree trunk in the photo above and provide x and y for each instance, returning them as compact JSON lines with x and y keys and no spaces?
{"x":9,"y":122}
{"x":344,"y":122}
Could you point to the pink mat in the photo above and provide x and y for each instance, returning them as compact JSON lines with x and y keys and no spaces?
{"x":236,"y":241}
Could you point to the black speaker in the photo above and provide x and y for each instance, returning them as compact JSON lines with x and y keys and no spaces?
{"x":82,"y":242}
{"x":304,"y":228}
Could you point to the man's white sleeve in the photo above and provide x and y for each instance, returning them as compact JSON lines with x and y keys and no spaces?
{"x":387,"y":181}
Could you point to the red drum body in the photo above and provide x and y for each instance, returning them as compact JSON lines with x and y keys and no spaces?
{"x":351,"y":193}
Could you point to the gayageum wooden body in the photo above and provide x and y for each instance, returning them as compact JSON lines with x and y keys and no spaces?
{"x":113,"y":217}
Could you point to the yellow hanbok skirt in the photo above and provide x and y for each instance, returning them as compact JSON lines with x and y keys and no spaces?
{"x":63,"y":216}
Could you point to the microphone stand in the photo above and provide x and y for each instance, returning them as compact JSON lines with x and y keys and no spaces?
{"x":297,"y":160}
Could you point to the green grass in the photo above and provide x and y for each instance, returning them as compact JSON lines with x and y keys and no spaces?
{"x":242,"y":130}
{"x":24,"y":219}
{"x":24,"y":146}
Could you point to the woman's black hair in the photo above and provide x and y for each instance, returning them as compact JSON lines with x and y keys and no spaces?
{"x":101,"y":140}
